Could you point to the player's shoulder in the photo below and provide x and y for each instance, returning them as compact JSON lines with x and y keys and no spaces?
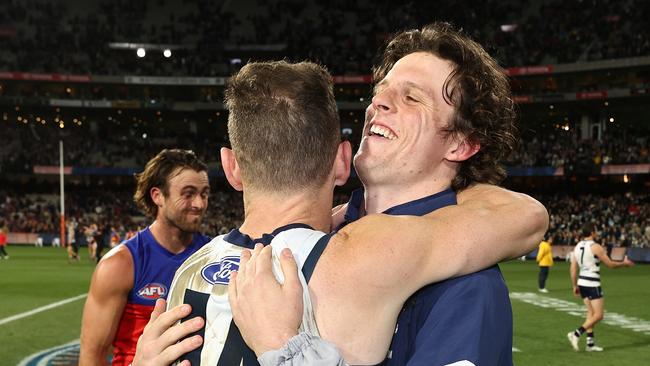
{"x":118,"y":257}
{"x":115,"y":269}
{"x":301,"y":241}
{"x":203,"y":239}
{"x":298,"y":233}
{"x":369,"y":224}
{"x":596,"y":247}
{"x":207,"y":249}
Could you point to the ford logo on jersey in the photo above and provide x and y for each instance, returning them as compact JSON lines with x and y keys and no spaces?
{"x":219,"y":272}
{"x":152,"y":291}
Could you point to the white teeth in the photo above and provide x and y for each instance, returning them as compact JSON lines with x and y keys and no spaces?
{"x":378,"y":130}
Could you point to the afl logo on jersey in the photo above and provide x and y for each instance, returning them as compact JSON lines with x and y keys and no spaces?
{"x":152,"y":291}
{"x":219,"y":272}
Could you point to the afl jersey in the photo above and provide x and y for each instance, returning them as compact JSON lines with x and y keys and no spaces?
{"x":589,"y":264}
{"x":153,"y":270}
{"x":202,"y":281}
{"x":438,"y":324}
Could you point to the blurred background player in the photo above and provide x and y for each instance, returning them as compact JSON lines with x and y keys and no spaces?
{"x":545,"y":262}
{"x":89,"y":232}
{"x":588,"y":255}
{"x":173,"y":189}
{"x":3,"y":241}
{"x":72,"y":245}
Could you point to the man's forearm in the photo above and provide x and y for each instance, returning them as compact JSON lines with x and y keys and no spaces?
{"x":92,"y":358}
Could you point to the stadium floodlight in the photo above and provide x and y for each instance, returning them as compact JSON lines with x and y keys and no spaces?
{"x":167,"y":53}
{"x":141,"y":52}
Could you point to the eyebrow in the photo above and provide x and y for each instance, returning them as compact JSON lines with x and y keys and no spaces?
{"x":194,"y":188}
{"x":408,"y":84}
{"x":421,"y":88}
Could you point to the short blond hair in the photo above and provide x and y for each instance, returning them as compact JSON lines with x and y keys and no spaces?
{"x":283,"y":124}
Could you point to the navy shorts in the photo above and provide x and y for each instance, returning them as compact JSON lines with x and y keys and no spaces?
{"x":591,"y":293}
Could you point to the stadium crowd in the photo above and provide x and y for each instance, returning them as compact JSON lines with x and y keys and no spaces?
{"x":623,"y":219}
{"x":556,"y":148}
{"x":210,"y":38}
{"x":120,"y":145}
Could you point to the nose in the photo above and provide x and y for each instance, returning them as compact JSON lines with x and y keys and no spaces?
{"x":199,"y":202}
{"x":382,"y":101}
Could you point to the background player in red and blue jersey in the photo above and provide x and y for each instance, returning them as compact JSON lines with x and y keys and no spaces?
{"x":173,"y":189}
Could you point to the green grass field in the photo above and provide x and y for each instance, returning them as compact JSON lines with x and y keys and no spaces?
{"x":35,"y":277}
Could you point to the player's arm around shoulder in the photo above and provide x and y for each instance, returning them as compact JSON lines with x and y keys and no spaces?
{"x":488,"y":225}
{"x":388,"y":257}
{"x":109,"y":288}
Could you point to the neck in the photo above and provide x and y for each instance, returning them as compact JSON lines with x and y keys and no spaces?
{"x":265,"y":212}
{"x":380,"y":197}
{"x":169,"y":236}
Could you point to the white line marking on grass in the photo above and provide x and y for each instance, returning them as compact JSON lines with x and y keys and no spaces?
{"x":41,"y":309}
{"x":515,"y":349}
{"x":615,"y":319}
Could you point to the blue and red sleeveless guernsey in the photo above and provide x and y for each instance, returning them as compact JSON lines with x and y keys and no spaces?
{"x":153,"y":271}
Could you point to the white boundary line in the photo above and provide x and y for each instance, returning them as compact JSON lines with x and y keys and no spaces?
{"x":619,"y":320}
{"x":41,"y":309}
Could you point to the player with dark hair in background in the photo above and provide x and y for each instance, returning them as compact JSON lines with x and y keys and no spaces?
{"x":587,"y":256}
{"x":173,"y":189}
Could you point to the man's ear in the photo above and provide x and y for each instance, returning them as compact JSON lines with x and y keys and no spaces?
{"x":157,"y":196}
{"x":462,"y":149}
{"x":342,"y":163}
{"x":231,"y":168}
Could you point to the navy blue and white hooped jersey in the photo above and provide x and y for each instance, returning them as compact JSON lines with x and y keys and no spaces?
{"x":202,"y":281}
{"x":589,"y":264}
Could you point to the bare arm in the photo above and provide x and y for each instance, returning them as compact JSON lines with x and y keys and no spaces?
{"x":488,"y":225}
{"x":599,"y":252}
{"x":109,"y":287}
{"x":574,"y":275}
{"x":510,"y":224}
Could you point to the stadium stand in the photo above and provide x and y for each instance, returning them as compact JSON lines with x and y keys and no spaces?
{"x":70,"y":74}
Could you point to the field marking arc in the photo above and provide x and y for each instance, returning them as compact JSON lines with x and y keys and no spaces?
{"x":41,"y":309}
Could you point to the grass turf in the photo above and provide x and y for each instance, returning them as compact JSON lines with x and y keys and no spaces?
{"x":35,"y":277}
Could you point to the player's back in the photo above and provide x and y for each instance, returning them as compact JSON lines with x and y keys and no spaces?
{"x":588,"y":262}
{"x":202,"y":281}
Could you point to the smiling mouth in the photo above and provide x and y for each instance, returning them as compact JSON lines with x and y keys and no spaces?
{"x":376,"y":130}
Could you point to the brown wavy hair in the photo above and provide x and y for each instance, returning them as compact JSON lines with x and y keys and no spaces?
{"x":158,"y":172}
{"x":477,"y":88}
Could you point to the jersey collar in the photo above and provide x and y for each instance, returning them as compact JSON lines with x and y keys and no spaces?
{"x":238,"y":238}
